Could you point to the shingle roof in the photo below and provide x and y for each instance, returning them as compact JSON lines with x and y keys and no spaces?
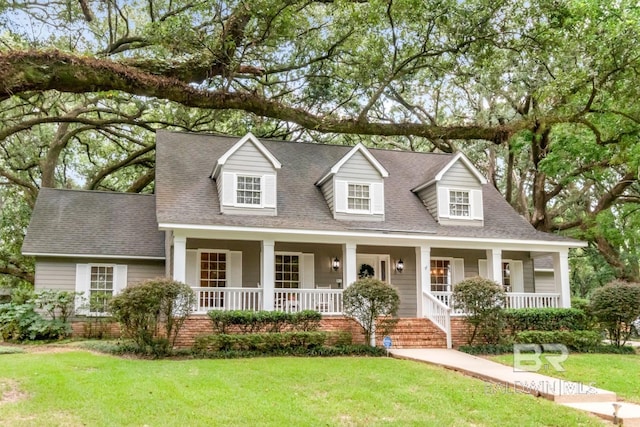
{"x":185,"y":193}
{"x":78,"y":222}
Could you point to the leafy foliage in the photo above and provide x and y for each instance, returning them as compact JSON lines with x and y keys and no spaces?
{"x":372,"y":303}
{"x":581,"y":341}
{"x":482,"y":300}
{"x":616,"y":306}
{"x":152,"y":312}
{"x":263,"y":342}
{"x":248,"y":321}
{"x":544,"y":319}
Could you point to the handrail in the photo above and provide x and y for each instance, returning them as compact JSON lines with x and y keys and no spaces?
{"x":438,"y":313}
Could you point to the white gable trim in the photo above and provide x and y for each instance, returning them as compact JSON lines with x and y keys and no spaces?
{"x":249,"y":137}
{"x":458,"y":157}
{"x":365,"y":152}
{"x":461,"y":157}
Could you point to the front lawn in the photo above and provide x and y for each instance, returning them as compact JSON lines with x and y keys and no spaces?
{"x":614,"y":372}
{"x":81,"y":388}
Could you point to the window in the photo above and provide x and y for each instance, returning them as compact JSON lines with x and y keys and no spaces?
{"x":213,"y":274}
{"x":506,"y":276}
{"x":287,"y":271}
{"x":459,"y":203}
{"x":100,"y":288}
{"x":358,"y":198}
{"x":248,"y":190}
{"x":440,"y":275}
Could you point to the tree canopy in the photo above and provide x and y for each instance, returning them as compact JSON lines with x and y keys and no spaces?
{"x":542,"y":95}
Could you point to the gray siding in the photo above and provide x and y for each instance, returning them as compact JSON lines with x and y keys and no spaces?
{"x":327,"y":192}
{"x":248,"y":159}
{"x":429,"y":197}
{"x":358,"y":217}
{"x":462,"y":222}
{"x":233,"y":210}
{"x":60,"y":274}
{"x":323,"y":255}
{"x":545,"y":281}
{"x":458,"y":176}
{"x":358,"y":168}
{"x":250,"y":256}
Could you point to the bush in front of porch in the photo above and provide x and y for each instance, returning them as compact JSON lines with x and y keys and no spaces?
{"x":482,"y":299}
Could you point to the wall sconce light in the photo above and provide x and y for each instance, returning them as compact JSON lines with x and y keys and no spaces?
{"x":399,"y":265}
{"x":335,"y":264}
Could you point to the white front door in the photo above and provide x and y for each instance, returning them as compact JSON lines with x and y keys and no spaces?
{"x":374,"y":265}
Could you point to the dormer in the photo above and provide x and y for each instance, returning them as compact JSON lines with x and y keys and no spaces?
{"x":354,"y":186}
{"x":246,"y":177}
{"x":454,"y":195}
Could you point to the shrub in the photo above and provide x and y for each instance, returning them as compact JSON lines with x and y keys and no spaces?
{"x":59,"y":305}
{"x":19,"y":319}
{"x":616,"y":306}
{"x":263,"y":342}
{"x":482,"y":300}
{"x":544,"y":319}
{"x":372,"y":303}
{"x":143,"y":308}
{"x":581,"y":341}
{"x":264,"y":321}
{"x":487,"y":349}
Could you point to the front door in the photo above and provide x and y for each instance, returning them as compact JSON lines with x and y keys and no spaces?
{"x":373,"y":265}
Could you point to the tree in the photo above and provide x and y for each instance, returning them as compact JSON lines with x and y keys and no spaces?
{"x":541,"y":94}
{"x":372,"y":303}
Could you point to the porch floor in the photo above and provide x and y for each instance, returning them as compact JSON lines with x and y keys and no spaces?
{"x":505,"y":379}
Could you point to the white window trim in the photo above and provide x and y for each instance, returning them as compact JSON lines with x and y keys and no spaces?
{"x":210,"y":251}
{"x":469,"y":203}
{"x":476,"y":211}
{"x":300,"y":268}
{"x":235,"y":191}
{"x":83,"y":286}
{"x":449,"y":274}
{"x":360,"y":211}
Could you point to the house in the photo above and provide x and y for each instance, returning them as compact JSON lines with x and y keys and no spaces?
{"x":260,"y":224}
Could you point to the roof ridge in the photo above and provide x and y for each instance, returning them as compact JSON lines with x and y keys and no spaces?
{"x":84,"y":190}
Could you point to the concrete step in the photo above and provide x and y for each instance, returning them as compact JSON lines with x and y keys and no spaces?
{"x":628,"y":414}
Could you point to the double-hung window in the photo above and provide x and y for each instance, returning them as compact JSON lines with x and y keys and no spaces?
{"x":100,"y":288}
{"x":287,"y":271}
{"x":248,"y":190}
{"x":359,"y":197}
{"x":440,"y":275}
{"x":213,"y":274}
{"x":459,"y":203}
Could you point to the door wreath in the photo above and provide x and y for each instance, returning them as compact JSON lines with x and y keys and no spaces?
{"x":366,"y":271}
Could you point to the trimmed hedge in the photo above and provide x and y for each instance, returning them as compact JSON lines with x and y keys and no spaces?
{"x":259,"y":342}
{"x":544,"y":319}
{"x":264,"y":321}
{"x":580,"y":341}
{"x":347,"y":350}
{"x":487,"y":349}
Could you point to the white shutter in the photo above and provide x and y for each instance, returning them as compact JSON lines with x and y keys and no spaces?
{"x":516,"y":276}
{"x":482,"y":268}
{"x":191,"y":269}
{"x":234,"y":267}
{"x":340,"y":195}
{"x":119,"y":278}
{"x":476,"y":204}
{"x":83,"y":278}
{"x":377,"y":198}
{"x":270,"y":191}
{"x":458,"y":271}
{"x":308,"y":271}
{"x":443,"y":202}
{"x":228,"y":189}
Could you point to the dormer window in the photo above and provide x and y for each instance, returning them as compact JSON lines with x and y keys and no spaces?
{"x":459,"y":203}
{"x":359,"y":198}
{"x":248,"y":190}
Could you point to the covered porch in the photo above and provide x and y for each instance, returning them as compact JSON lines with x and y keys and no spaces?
{"x":291,"y":273}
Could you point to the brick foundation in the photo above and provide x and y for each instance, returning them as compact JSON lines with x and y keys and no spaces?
{"x":408,"y":333}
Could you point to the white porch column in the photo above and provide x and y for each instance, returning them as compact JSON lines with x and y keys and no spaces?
{"x":494,"y":265}
{"x":180,"y":258}
{"x":423,"y":275}
{"x":561,"y":276}
{"x":349,"y":264}
{"x":268,"y":274}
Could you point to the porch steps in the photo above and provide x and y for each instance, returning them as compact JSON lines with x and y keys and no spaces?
{"x":416,"y":333}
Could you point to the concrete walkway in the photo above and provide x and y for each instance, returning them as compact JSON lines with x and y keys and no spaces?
{"x":576,"y":395}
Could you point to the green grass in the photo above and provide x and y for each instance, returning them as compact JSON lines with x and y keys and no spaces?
{"x":81,"y":388}
{"x":613,"y":372}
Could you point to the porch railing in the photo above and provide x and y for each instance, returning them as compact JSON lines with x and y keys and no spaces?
{"x":326,"y":301}
{"x":438,"y":313}
{"x":208,"y":299}
{"x":513,"y":300}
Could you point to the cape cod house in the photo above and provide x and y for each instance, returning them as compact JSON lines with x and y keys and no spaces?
{"x":260,"y":224}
